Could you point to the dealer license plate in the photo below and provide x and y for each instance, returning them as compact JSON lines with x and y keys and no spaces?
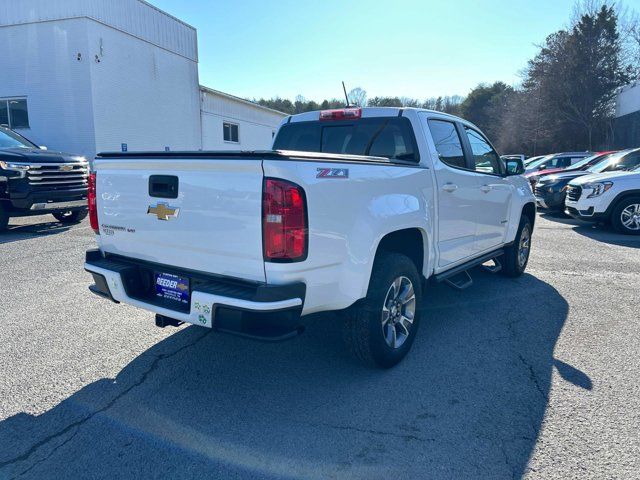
{"x":173,"y":288}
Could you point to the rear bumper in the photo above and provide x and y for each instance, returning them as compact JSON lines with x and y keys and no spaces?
{"x":269,"y":312}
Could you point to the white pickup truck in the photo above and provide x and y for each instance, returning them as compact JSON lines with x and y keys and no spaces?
{"x":353,"y":210}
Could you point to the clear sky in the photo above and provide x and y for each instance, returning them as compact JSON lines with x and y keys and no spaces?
{"x":413,"y":48}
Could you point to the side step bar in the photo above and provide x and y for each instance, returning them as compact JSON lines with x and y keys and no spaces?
{"x":460,"y":281}
{"x":459,"y":278}
{"x":495,"y":268}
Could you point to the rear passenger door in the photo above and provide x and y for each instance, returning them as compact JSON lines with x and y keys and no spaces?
{"x":495,"y":192}
{"x":457,"y":191}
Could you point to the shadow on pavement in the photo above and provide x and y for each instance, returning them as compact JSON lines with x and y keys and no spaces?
{"x":606,"y":234}
{"x":599,"y":232}
{"x":468,"y":402}
{"x":560,"y":217}
{"x":16,"y":233}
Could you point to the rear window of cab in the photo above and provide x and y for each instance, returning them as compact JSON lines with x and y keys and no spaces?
{"x":390,"y":137}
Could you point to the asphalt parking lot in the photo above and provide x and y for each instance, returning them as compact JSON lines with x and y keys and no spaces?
{"x":536,"y":377}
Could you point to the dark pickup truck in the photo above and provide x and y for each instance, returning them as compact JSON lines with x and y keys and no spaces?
{"x":35,"y":181}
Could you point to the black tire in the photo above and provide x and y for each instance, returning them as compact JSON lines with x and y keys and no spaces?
{"x":616,"y":215}
{"x":71,"y":217}
{"x":4,"y":217}
{"x":364,"y":330}
{"x":512,"y":264}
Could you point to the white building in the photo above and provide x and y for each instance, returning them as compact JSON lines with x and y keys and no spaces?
{"x":627,"y":121}
{"x":86,"y":76}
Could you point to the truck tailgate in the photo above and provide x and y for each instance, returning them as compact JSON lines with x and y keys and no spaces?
{"x":214,"y":225}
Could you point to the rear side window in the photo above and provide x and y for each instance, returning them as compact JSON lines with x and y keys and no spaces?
{"x":485,"y":158}
{"x":4,"y":113}
{"x":390,"y":137}
{"x":448,"y":143}
{"x":627,"y":162}
{"x":562,"y":162}
{"x":556,"y":162}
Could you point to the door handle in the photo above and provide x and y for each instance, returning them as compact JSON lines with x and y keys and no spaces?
{"x":486,"y":188}
{"x":449,"y":187}
{"x":163,"y":186}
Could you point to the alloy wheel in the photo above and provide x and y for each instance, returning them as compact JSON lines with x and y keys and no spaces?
{"x":630,"y":217}
{"x":398,"y":312}
{"x":525,"y":246}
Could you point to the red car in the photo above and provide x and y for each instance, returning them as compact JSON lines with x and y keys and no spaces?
{"x":580,"y":165}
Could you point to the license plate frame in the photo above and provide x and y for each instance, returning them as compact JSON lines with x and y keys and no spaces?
{"x":172,"y":289}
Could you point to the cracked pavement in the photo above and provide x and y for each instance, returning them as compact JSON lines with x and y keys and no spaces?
{"x":536,"y":377}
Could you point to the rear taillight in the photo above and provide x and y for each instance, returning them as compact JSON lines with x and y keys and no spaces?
{"x":284,"y":221}
{"x":91,"y":201}
{"x":341,"y":114}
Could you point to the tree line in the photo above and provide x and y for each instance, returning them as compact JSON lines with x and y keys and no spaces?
{"x":566,"y":100}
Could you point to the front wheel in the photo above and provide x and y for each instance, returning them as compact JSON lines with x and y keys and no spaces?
{"x":381,"y":330}
{"x":71,"y":217}
{"x":625,"y":218}
{"x":516,"y":256}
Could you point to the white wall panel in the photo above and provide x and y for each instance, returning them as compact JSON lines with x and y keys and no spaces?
{"x":91,"y":87}
{"x":252,"y":136}
{"x":135,"y":17}
{"x":628,"y":100}
{"x":232,"y":107}
{"x":39,"y":62}
{"x":256,"y":124}
{"x":143,"y":96}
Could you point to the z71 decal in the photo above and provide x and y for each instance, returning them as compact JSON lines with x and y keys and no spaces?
{"x":332,"y":173}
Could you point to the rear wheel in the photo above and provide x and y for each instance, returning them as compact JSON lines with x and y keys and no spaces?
{"x":516,"y":256}
{"x":75,"y":216}
{"x":625,"y":218}
{"x":381,"y":330}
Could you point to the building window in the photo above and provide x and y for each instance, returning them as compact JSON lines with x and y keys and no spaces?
{"x":230,"y":132}
{"x":13,"y":113}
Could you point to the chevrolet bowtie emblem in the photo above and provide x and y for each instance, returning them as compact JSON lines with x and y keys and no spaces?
{"x":163,"y":211}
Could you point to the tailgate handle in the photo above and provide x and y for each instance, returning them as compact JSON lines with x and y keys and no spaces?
{"x":163,"y":186}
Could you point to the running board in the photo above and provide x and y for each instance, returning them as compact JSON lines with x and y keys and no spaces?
{"x":459,"y":278}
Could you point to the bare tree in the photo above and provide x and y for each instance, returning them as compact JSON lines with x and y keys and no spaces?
{"x":358,"y":97}
{"x":410,"y":102}
{"x":630,"y":38}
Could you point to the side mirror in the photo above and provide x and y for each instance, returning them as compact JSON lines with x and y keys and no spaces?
{"x":542,"y":167}
{"x":42,"y":147}
{"x":515,"y":166}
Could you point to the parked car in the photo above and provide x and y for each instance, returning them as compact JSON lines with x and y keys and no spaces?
{"x":34,"y":181}
{"x":550,"y":190}
{"x":530,"y":160}
{"x":557,"y":160}
{"x":612,"y":198}
{"x":583,"y":164}
{"x":353,"y":210}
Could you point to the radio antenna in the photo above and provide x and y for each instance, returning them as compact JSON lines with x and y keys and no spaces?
{"x":346,"y":97}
